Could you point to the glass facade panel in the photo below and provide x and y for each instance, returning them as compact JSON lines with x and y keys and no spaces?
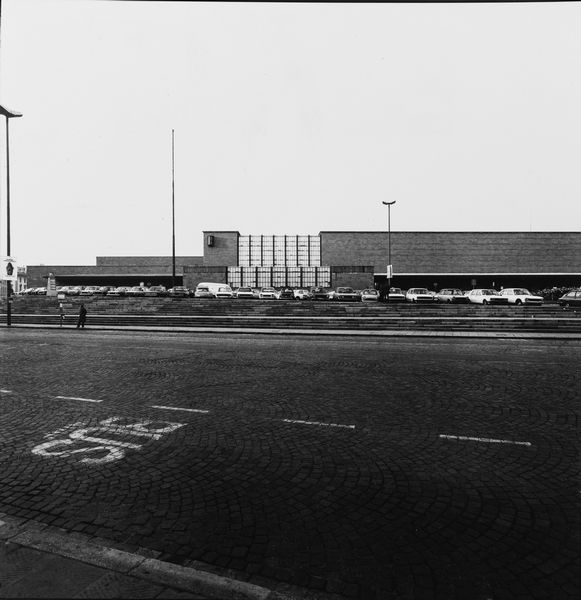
{"x":279,"y":277}
{"x":234,"y":280}
{"x":264,"y":277}
{"x":279,"y":250}
{"x":294,"y":277}
{"x":249,"y":276}
{"x":244,"y":250}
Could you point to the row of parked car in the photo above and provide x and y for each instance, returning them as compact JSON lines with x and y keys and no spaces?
{"x":517,"y":296}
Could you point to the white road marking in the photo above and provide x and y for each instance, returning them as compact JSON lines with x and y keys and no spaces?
{"x":5,"y":391}
{"x":194,"y":410}
{"x":114,"y":449}
{"x":318,"y":423}
{"x":75,"y":398}
{"x":486,"y":440}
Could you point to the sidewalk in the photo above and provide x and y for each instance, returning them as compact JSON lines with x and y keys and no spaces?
{"x":544,"y":335}
{"x":39,"y":561}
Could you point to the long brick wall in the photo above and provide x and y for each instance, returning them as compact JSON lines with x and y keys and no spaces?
{"x":456,"y":252}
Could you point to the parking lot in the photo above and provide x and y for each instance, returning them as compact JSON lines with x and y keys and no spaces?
{"x":360,"y":467}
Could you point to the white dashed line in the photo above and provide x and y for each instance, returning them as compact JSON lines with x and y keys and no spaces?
{"x":318,"y":423}
{"x":486,"y":440}
{"x":5,"y":391}
{"x":194,"y":410}
{"x":74,"y":398}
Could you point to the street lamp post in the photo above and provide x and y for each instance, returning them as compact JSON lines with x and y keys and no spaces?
{"x":9,"y":114}
{"x":173,"y":219}
{"x":389,"y":205}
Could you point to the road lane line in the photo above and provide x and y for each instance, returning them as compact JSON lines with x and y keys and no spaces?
{"x":75,"y":398}
{"x":5,"y":391}
{"x":194,"y":410}
{"x":486,"y":440}
{"x":318,"y":423}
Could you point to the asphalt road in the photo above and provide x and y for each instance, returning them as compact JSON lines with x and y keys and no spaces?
{"x":368,"y":468}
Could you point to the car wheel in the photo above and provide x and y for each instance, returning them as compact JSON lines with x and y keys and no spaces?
{"x":485,"y":302}
{"x":518,"y":302}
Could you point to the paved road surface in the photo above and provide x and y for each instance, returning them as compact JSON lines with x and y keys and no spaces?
{"x":416,"y":468}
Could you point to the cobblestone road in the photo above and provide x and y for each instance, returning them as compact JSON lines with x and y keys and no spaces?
{"x":403,"y":469}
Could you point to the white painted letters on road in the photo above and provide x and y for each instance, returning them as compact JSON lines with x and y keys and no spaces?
{"x":100,"y":440}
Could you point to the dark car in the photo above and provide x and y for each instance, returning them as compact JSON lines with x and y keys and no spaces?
{"x":319,"y":293}
{"x":572,"y":298}
{"x":178,"y":291}
{"x":345,"y":294}
{"x":286,"y":294}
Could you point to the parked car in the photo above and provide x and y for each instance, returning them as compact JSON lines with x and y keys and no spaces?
{"x":572,"y":298}
{"x":452,"y":296}
{"x":178,"y":291}
{"x":302,"y":294}
{"x":89,"y":290}
{"x":319,"y":293}
{"x":419,"y":295}
{"x":267,"y":293}
{"x":396,"y":295}
{"x":103,"y":290}
{"x":369,"y":295}
{"x":117,"y":291}
{"x":155,"y":290}
{"x":40,"y":291}
{"x":520,"y":296}
{"x":136,"y":290}
{"x":486,"y":296}
{"x":244,"y":292}
{"x":213,"y":290}
{"x":345,"y":294}
{"x":286,"y":294}
{"x":75,"y":290}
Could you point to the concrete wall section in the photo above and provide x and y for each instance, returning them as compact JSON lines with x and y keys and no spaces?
{"x":149,"y":261}
{"x":224,"y":251}
{"x":84,"y":275}
{"x":456,"y":252}
{"x":194,"y":275}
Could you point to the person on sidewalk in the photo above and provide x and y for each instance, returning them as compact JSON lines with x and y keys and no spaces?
{"x":82,"y":317}
{"x":61,"y":313}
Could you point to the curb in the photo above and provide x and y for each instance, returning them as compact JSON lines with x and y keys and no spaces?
{"x":91,"y":551}
{"x":515,"y":334}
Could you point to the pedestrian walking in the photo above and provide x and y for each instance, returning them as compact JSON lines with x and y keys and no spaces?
{"x":61,"y":313}
{"x":82,"y":317}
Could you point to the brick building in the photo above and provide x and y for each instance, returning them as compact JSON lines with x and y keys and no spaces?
{"x":355,"y":258}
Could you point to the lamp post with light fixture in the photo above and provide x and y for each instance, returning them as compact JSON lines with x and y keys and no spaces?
{"x":9,"y":114}
{"x":389,"y":269}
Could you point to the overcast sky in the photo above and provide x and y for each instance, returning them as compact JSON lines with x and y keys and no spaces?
{"x":289,"y":118}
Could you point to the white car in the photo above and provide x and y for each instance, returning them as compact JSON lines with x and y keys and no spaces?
{"x":419,"y":295}
{"x":244,"y":292}
{"x":486,"y":296}
{"x":369,"y":295}
{"x":520,"y":296}
{"x":302,"y":295}
{"x":90,"y":290}
{"x":396,"y":295}
{"x":268,"y":293}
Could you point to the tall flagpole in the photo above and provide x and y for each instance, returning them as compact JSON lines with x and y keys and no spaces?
{"x":173,"y":221}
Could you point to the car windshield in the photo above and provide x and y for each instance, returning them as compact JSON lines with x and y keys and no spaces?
{"x":268,"y":290}
{"x":245,"y":290}
{"x":489,"y":292}
{"x":522,"y":292}
{"x":203,"y":289}
{"x":345,"y":290}
{"x":394,"y":290}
